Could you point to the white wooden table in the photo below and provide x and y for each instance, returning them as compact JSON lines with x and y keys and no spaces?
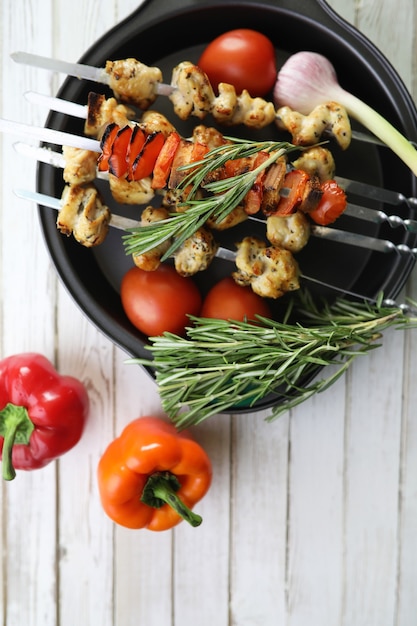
{"x":310,"y":521}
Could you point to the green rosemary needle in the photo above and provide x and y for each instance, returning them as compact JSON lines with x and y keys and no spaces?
{"x":220,"y":365}
{"x":223,"y":195}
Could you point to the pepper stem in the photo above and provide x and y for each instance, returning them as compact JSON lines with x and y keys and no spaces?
{"x":16,"y":427}
{"x":161,"y":489}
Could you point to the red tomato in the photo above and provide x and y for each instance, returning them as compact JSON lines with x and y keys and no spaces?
{"x":229,"y":301}
{"x":159,"y":301}
{"x":331,"y":205}
{"x":243,"y":58}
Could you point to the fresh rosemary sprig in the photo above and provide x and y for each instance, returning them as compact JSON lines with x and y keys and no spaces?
{"x":222,"y":365}
{"x":223,"y":195}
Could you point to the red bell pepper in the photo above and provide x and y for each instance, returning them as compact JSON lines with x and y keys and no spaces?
{"x":42,"y":414}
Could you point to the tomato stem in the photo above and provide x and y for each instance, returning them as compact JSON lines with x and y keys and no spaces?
{"x":161,"y":489}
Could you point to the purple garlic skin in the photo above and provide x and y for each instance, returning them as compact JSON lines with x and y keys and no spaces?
{"x":306,"y":80}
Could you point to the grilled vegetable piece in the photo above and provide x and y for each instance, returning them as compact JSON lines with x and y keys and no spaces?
{"x":295,"y":182}
{"x":164,"y":161}
{"x":144,"y":162}
{"x":332,"y":204}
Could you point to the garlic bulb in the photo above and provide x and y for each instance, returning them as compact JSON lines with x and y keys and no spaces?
{"x":308,"y":79}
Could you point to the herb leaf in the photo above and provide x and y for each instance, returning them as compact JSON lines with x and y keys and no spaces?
{"x":224,"y":195}
{"x":222,"y":365}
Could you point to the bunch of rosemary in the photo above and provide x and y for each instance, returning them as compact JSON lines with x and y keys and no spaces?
{"x":223,"y":195}
{"x":221,"y":365}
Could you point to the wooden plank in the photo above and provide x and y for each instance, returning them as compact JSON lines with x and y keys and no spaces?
{"x":372,"y":485}
{"x":387,"y":24}
{"x":258,"y":518}
{"x":86,"y":538}
{"x":372,"y":452}
{"x":29,"y":505}
{"x":201,"y":555}
{"x":406,"y":583}
{"x":315,"y":509}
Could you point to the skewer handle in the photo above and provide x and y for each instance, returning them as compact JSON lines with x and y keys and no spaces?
{"x":77,"y":70}
{"x":124,"y":223}
{"x":49,"y":135}
{"x":117,"y":221}
{"x":57,"y":104}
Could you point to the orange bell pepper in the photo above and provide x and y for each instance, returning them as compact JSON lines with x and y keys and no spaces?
{"x":164,"y":161}
{"x":152,"y":475}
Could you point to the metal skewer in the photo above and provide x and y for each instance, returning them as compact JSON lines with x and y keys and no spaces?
{"x":365,"y":190}
{"x":124,"y":223}
{"x":360,"y":212}
{"x":99,"y":75}
{"x":56,"y":159}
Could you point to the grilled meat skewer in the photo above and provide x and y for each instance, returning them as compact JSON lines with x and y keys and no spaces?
{"x":259,"y":248}
{"x":191,"y":94}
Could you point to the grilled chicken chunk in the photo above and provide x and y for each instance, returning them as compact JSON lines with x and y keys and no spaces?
{"x":270,"y":271}
{"x":83,"y":215}
{"x":193,"y":93}
{"x":196,"y":253}
{"x":102,"y":111}
{"x":131,"y":192}
{"x":308,"y":129}
{"x":317,"y":161}
{"x":235,"y":217}
{"x":209,"y":136}
{"x":80,"y":165}
{"x":133,"y":82}
{"x":291,"y":232}
{"x":194,"y":96}
{"x":252,"y":112}
{"x":151,"y":260}
{"x":153,"y":121}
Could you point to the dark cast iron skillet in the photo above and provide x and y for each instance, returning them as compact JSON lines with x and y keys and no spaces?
{"x":163,"y":33}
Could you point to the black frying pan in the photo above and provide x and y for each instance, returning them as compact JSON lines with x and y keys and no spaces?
{"x":158,"y":34}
